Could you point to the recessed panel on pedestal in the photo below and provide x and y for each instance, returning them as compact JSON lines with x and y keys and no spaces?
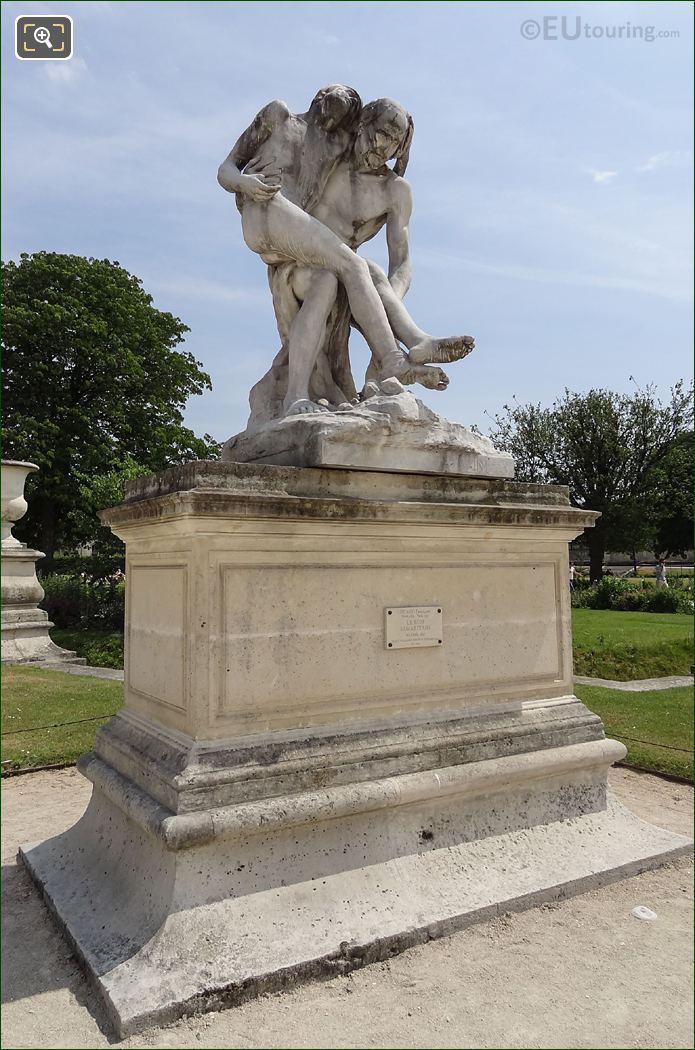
{"x":156,"y":632}
{"x":306,"y":643}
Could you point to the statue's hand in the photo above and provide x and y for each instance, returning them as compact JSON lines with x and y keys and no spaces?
{"x":258,"y":188}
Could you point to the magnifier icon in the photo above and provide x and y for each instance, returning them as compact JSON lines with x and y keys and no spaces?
{"x":42,"y":36}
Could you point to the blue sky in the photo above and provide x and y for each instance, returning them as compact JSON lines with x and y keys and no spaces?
{"x":551,"y":178}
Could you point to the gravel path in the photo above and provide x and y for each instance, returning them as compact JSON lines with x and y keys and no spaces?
{"x":81,"y":669}
{"x":580,"y":973}
{"x":639,"y":685}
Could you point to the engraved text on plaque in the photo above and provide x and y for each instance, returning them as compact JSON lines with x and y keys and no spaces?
{"x":413,"y":626}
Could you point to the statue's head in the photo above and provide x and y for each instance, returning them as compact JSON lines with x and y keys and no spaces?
{"x":384,"y":133}
{"x":336,"y":107}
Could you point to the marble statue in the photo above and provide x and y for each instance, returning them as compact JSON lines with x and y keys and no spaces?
{"x":314,"y":187}
{"x":311,"y":189}
{"x":348,"y":721}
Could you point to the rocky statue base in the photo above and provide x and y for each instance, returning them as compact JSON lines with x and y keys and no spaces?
{"x":348,"y":727}
{"x":385,"y":432}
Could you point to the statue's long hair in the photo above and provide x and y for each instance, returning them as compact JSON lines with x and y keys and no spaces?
{"x":323,"y":150}
{"x":375,"y":112}
{"x":348,"y":94}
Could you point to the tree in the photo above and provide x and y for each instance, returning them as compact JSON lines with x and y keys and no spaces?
{"x":673,"y":511}
{"x":610,"y":449}
{"x":92,"y":380}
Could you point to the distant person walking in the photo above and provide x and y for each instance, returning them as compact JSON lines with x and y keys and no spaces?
{"x":573,"y":574}
{"x":661,"y":580}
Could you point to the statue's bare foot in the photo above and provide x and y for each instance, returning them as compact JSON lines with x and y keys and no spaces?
{"x":304,"y":406}
{"x":400,"y":365}
{"x":441,"y":351}
{"x":426,"y":375}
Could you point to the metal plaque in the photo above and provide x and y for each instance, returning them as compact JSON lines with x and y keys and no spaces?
{"x":413,"y":626}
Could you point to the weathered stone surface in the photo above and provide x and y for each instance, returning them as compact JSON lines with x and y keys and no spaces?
{"x":394,"y":432}
{"x":309,"y":888}
{"x":264,"y":607}
{"x":283,"y":796}
{"x":242,"y":480}
{"x":185,"y":774}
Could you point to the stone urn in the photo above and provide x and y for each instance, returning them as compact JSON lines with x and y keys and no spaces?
{"x":25,"y":627}
{"x":14,"y":506}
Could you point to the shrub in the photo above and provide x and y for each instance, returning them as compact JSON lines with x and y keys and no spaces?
{"x":582,"y":598}
{"x":622,"y":596}
{"x":672,"y":601}
{"x":610,"y":592}
{"x":76,"y":601}
{"x":100,"y":647}
{"x":101,"y":564}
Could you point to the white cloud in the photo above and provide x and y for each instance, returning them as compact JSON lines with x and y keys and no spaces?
{"x":322,"y":37}
{"x":645,"y":283}
{"x":629,"y":241}
{"x":602,"y":177}
{"x":211,"y":291}
{"x":65,"y":72}
{"x":670,"y":158}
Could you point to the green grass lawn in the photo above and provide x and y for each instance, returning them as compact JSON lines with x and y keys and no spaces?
{"x":625,"y":645}
{"x":643,"y":721}
{"x":33,"y":698}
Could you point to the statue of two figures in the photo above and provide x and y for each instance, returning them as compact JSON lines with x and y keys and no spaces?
{"x":311,"y":188}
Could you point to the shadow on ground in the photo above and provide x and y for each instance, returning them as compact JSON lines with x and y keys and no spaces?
{"x":45,"y":962}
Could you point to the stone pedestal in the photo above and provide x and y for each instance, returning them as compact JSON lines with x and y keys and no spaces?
{"x":283,"y":793}
{"x":25,"y":627}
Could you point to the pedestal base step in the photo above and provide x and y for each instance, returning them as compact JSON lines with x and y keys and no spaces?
{"x":159,"y":943}
{"x":25,"y":638}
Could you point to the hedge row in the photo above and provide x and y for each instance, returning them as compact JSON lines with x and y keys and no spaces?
{"x":78,"y":601}
{"x":623,"y":596}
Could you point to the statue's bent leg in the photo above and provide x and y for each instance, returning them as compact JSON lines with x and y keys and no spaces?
{"x":423,"y":348}
{"x":402,"y":324}
{"x":319,"y":288}
{"x":280,"y":230}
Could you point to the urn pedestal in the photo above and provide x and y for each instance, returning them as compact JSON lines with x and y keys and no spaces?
{"x":25,"y":627}
{"x":298,"y":784}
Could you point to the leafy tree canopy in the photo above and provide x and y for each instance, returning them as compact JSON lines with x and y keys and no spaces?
{"x":672,"y":513}
{"x":94,"y":384}
{"x":612,"y":450}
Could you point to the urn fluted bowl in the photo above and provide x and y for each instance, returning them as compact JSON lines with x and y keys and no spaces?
{"x":14,"y":506}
